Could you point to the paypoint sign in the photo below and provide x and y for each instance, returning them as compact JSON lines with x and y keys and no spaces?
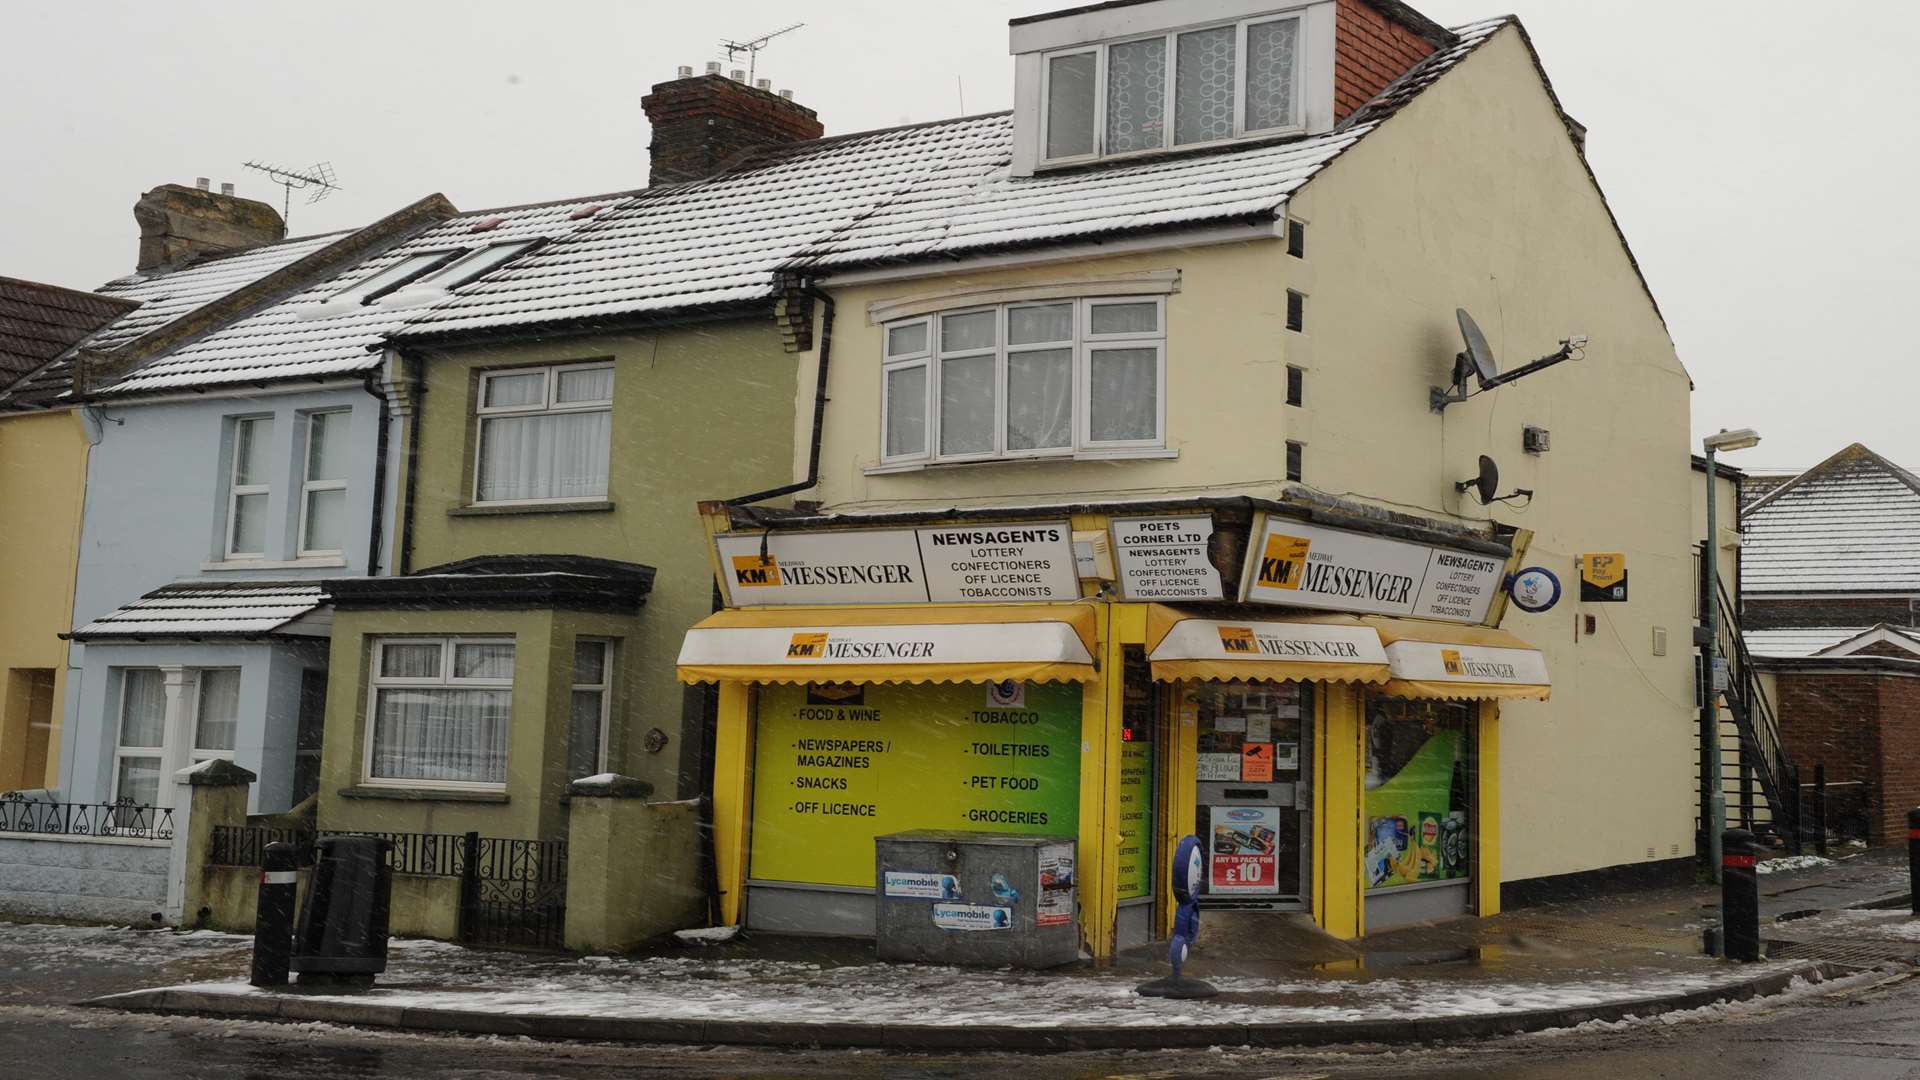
{"x":1301,"y":565}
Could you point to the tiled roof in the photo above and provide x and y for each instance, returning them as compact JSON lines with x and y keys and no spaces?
{"x":1799,"y":641}
{"x":1849,"y":524}
{"x":38,"y":322}
{"x":302,"y":336}
{"x":200,"y":609}
{"x":165,"y":297}
{"x":930,"y":190}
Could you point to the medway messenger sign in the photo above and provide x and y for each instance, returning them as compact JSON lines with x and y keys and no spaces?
{"x":1300,"y":565}
{"x":1002,"y":562}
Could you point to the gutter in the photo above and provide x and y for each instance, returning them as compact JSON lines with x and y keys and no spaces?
{"x":819,"y":408}
{"x":377,"y":533}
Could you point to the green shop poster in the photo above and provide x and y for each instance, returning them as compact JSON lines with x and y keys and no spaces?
{"x":1416,"y":831}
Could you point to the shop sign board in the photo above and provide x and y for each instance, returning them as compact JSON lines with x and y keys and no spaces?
{"x":1302,"y":565}
{"x":1165,"y":558}
{"x":999,"y":563}
{"x":1603,"y":577}
{"x":972,"y":917}
{"x":1433,"y":661}
{"x":1245,"y":855}
{"x":918,"y":885}
{"x":828,"y":779}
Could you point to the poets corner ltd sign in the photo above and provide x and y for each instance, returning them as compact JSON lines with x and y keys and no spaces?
{"x":1301,"y":565}
{"x":995,"y":563}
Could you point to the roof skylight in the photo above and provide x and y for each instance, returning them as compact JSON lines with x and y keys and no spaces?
{"x":373,"y":287}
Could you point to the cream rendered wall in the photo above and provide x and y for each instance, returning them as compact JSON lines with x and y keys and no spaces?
{"x":1473,"y":196}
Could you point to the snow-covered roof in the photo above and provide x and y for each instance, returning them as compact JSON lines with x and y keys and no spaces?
{"x":212,"y":609}
{"x":305,"y":337}
{"x":164,"y":297}
{"x":1799,"y":641}
{"x":1849,"y":524}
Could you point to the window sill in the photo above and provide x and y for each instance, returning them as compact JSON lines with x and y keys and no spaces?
{"x":407,"y":794}
{"x":318,"y":562}
{"x":583,"y":506}
{"x":1090,"y":455}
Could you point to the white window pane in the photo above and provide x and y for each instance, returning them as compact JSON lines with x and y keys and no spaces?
{"x":589,"y":663}
{"x":1137,"y":96}
{"x":560,"y":456}
{"x":1125,"y":394}
{"x":1040,"y":399}
{"x":974,"y":330}
{"x":966,"y":405}
{"x":1033,"y":325}
{"x":219,"y":711}
{"x":327,"y":443}
{"x":1270,"y":67}
{"x":580,"y":387}
{"x":527,"y":388}
{"x":434,"y":734}
{"x":143,"y":711}
{"x":410,"y":660}
{"x":326,"y":520}
{"x":473,"y":265}
{"x":908,"y":340}
{"x":138,"y":781}
{"x":249,"y":525}
{"x":907,"y":411}
{"x":1124,"y":319}
{"x":391,"y":278}
{"x":583,"y":737}
{"x":1203,"y":86}
{"x":252,"y":443}
{"x":1070,"y":90}
{"x":483,"y":660}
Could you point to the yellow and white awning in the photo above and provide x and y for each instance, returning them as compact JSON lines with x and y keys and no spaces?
{"x":1460,"y":663}
{"x":1032,"y":643}
{"x":1334,"y":648}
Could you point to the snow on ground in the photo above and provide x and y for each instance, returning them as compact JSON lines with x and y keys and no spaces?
{"x":1792,"y":862}
{"x":50,"y":947}
{"x":792,"y":992}
{"x":1874,"y":924}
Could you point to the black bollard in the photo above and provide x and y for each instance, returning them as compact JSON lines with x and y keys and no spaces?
{"x":273,"y":919}
{"x":1820,"y":808}
{"x":1739,"y":896}
{"x":1793,"y":811}
{"x":1913,"y":856}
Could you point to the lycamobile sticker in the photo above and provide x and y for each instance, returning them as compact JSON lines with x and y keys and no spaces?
{"x":922,"y":886}
{"x":972,"y":917}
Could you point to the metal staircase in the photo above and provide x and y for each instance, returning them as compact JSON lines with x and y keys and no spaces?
{"x":1760,"y":784}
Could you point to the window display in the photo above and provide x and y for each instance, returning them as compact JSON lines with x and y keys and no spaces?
{"x":1419,"y":765}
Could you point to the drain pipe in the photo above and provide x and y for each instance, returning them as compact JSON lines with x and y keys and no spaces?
{"x":819,"y":407}
{"x":377,"y":537}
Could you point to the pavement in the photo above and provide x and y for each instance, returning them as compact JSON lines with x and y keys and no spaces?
{"x":1600,"y":961}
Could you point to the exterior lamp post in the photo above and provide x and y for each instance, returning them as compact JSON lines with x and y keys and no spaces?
{"x":1713,"y":796}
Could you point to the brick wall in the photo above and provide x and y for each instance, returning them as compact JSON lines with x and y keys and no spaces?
{"x":1760,"y":613}
{"x":1864,"y":727}
{"x":708,"y":123}
{"x":1899,"y":761}
{"x":1369,"y":51}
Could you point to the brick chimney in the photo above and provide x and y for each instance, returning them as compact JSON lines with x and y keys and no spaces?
{"x":178,"y":221}
{"x":705,"y":124}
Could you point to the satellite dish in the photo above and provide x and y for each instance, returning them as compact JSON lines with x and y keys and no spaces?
{"x":1487,"y":484}
{"x":1478,"y":353}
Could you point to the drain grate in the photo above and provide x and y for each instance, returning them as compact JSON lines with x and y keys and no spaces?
{"x":1857,"y":954}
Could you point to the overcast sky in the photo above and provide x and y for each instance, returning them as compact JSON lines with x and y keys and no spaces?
{"x":1760,"y":156}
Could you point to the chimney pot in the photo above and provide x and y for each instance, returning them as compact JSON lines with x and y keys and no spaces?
{"x":226,"y":189}
{"x":203,"y":183}
{"x":177,"y":222}
{"x":739,"y":75}
{"x":788,"y":94}
{"x":684,"y":72}
{"x":713,"y":67}
{"x":763,"y":84}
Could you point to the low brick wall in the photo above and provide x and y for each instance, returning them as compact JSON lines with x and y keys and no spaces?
{"x":86,"y":878}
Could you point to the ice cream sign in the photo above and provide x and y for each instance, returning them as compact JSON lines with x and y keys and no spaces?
{"x":1296,"y":564}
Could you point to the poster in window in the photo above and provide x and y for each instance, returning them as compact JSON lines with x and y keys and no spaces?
{"x":1244,"y":853}
{"x":1416,"y":804}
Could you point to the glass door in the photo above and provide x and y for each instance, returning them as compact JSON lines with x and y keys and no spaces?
{"x":1254,"y":789}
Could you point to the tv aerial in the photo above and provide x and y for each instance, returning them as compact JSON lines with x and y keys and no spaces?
{"x":1476,"y":362}
{"x":752,"y":47}
{"x":1487,"y":482}
{"x":316,"y":180}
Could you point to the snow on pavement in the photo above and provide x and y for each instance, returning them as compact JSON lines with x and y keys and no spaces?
{"x":1790,"y":863}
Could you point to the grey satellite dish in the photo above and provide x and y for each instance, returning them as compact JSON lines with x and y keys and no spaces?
{"x":1479,"y":354}
{"x":1485,"y":485}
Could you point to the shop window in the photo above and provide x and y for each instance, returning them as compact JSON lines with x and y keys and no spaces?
{"x":249,"y":488}
{"x":592,"y":694}
{"x":440,"y":712}
{"x":1050,"y":379}
{"x":544,"y":434}
{"x":143,"y":736}
{"x":1253,"y":741}
{"x":1418,"y":792}
{"x":323,"y":484}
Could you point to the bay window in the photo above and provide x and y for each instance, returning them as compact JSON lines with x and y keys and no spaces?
{"x":216,"y":713}
{"x":592,"y":694}
{"x":1042,"y":379}
{"x":544,"y":434}
{"x":440,"y":712}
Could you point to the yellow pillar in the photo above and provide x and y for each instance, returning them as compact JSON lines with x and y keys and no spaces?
{"x":1179,"y":775}
{"x":732,"y":795}
{"x":1486,"y":875}
{"x":1338,"y":817}
{"x":1099,"y":847}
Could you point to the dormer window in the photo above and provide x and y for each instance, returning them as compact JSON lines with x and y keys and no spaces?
{"x":1139,"y":79}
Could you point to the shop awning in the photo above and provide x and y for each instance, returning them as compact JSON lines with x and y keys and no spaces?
{"x":1460,"y":663}
{"x":1336,"y":648}
{"x":1033,"y":643}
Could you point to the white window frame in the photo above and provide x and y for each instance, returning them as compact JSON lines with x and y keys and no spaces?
{"x":235,"y":489}
{"x":197,"y":753}
{"x":1082,"y":343}
{"x":377,"y":681}
{"x":482,"y":412}
{"x":121,"y":750}
{"x":308,"y":486}
{"x":605,"y":688}
{"x":1298,"y":124}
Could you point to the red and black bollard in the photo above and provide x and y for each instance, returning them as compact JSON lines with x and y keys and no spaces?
{"x":1913,"y":856}
{"x":273,"y":918}
{"x":1739,"y":896}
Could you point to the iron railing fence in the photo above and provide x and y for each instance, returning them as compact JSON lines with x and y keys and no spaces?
{"x":124,"y":819}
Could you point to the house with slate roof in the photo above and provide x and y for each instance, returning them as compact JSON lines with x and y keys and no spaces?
{"x":1830,"y":602}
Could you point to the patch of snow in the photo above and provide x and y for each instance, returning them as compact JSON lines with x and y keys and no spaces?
{"x":1791,"y":863}
{"x":707,"y":935}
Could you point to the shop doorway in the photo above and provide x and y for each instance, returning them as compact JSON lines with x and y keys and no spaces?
{"x":1254,"y":791}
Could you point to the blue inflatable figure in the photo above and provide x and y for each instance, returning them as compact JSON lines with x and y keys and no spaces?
{"x":1189,"y":870}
